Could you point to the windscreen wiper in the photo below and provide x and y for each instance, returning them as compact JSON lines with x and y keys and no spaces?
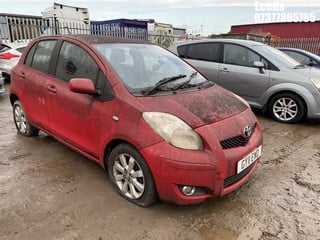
{"x":185,"y":83}
{"x":152,"y":90}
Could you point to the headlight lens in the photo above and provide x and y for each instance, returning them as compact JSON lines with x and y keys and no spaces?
{"x":173,"y":130}
{"x":316,"y":81}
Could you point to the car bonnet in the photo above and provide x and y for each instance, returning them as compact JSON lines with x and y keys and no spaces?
{"x":198,"y":107}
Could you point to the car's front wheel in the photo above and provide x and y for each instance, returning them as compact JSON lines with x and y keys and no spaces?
{"x":287,"y":108}
{"x":21,"y":121}
{"x":131,"y":176}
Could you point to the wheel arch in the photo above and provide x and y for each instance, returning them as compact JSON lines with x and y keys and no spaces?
{"x":111,"y":145}
{"x":298,"y":90}
{"x":13,"y":98}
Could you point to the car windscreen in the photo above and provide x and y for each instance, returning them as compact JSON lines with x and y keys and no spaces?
{"x":142,"y":66}
{"x":312,"y":55}
{"x":276,"y":56}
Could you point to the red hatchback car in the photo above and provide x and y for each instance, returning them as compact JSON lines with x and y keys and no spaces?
{"x":157,"y":125}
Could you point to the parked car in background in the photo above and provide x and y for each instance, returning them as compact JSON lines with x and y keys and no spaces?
{"x":2,"y":89}
{"x":302,"y":56}
{"x":157,"y":125}
{"x":9,"y":56}
{"x":264,"y":76}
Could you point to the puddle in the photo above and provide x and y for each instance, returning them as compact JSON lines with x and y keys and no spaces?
{"x":217,"y":219}
{"x":316,"y":146}
{"x":6,"y":176}
{"x":295,"y":136}
{"x":217,"y":232}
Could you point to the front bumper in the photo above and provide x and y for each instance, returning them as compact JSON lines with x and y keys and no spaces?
{"x":213,"y":169}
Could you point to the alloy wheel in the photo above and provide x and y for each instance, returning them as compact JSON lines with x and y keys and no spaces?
{"x":20,"y":119}
{"x":129,"y":176}
{"x":285,"y":109}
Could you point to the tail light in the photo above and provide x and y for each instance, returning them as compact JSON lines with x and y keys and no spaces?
{"x":8,"y":56}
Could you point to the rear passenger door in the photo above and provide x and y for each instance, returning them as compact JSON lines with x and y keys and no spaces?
{"x":204,"y":57}
{"x":34,"y":74}
{"x":238,"y":74}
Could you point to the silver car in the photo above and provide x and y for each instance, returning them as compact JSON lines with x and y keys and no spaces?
{"x":302,"y":56}
{"x":264,"y":76}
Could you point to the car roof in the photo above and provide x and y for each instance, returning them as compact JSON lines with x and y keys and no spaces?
{"x":293,"y":49}
{"x":221,"y":40}
{"x":94,"y":39}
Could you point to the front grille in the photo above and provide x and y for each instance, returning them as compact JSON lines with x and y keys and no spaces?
{"x":234,"y":142}
{"x":238,"y":141}
{"x":231,"y":180}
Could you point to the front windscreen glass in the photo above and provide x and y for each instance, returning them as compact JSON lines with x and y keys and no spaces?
{"x":277,"y":57}
{"x":147,"y":68}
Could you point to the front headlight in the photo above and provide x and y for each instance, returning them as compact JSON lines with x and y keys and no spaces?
{"x":316,"y":81}
{"x":173,"y":130}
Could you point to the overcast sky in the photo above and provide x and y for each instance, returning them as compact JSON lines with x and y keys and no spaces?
{"x":210,"y":16}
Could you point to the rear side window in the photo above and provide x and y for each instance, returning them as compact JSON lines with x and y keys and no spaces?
{"x":203,"y":51}
{"x":42,"y":55}
{"x":182,"y":51}
{"x":75,"y":62}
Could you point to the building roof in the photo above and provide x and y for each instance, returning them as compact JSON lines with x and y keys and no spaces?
{"x":281,"y":30}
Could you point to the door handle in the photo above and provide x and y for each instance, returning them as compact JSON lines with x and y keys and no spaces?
{"x":224,"y":70}
{"x":52,"y":88}
{"x":22,"y":75}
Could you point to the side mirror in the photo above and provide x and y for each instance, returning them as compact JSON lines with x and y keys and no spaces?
{"x":259,"y":65}
{"x":82,"y":85}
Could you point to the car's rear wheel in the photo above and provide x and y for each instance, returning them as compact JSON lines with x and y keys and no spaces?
{"x":287,"y":108}
{"x":21,"y":121}
{"x":131,"y":176}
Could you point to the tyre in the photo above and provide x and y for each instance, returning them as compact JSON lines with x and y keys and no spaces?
{"x":287,"y":108}
{"x":131,"y":176}
{"x":21,"y":121}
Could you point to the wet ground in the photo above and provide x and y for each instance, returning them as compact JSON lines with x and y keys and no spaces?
{"x":48,"y":191}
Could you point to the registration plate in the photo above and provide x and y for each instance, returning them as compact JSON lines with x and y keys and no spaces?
{"x":248,"y":160}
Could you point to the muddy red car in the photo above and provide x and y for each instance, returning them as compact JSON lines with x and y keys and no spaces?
{"x":157,"y":125}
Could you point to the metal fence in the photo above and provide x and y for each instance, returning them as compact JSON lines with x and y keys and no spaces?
{"x":309,"y":44}
{"x":25,"y":28}
{"x":19,"y":28}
